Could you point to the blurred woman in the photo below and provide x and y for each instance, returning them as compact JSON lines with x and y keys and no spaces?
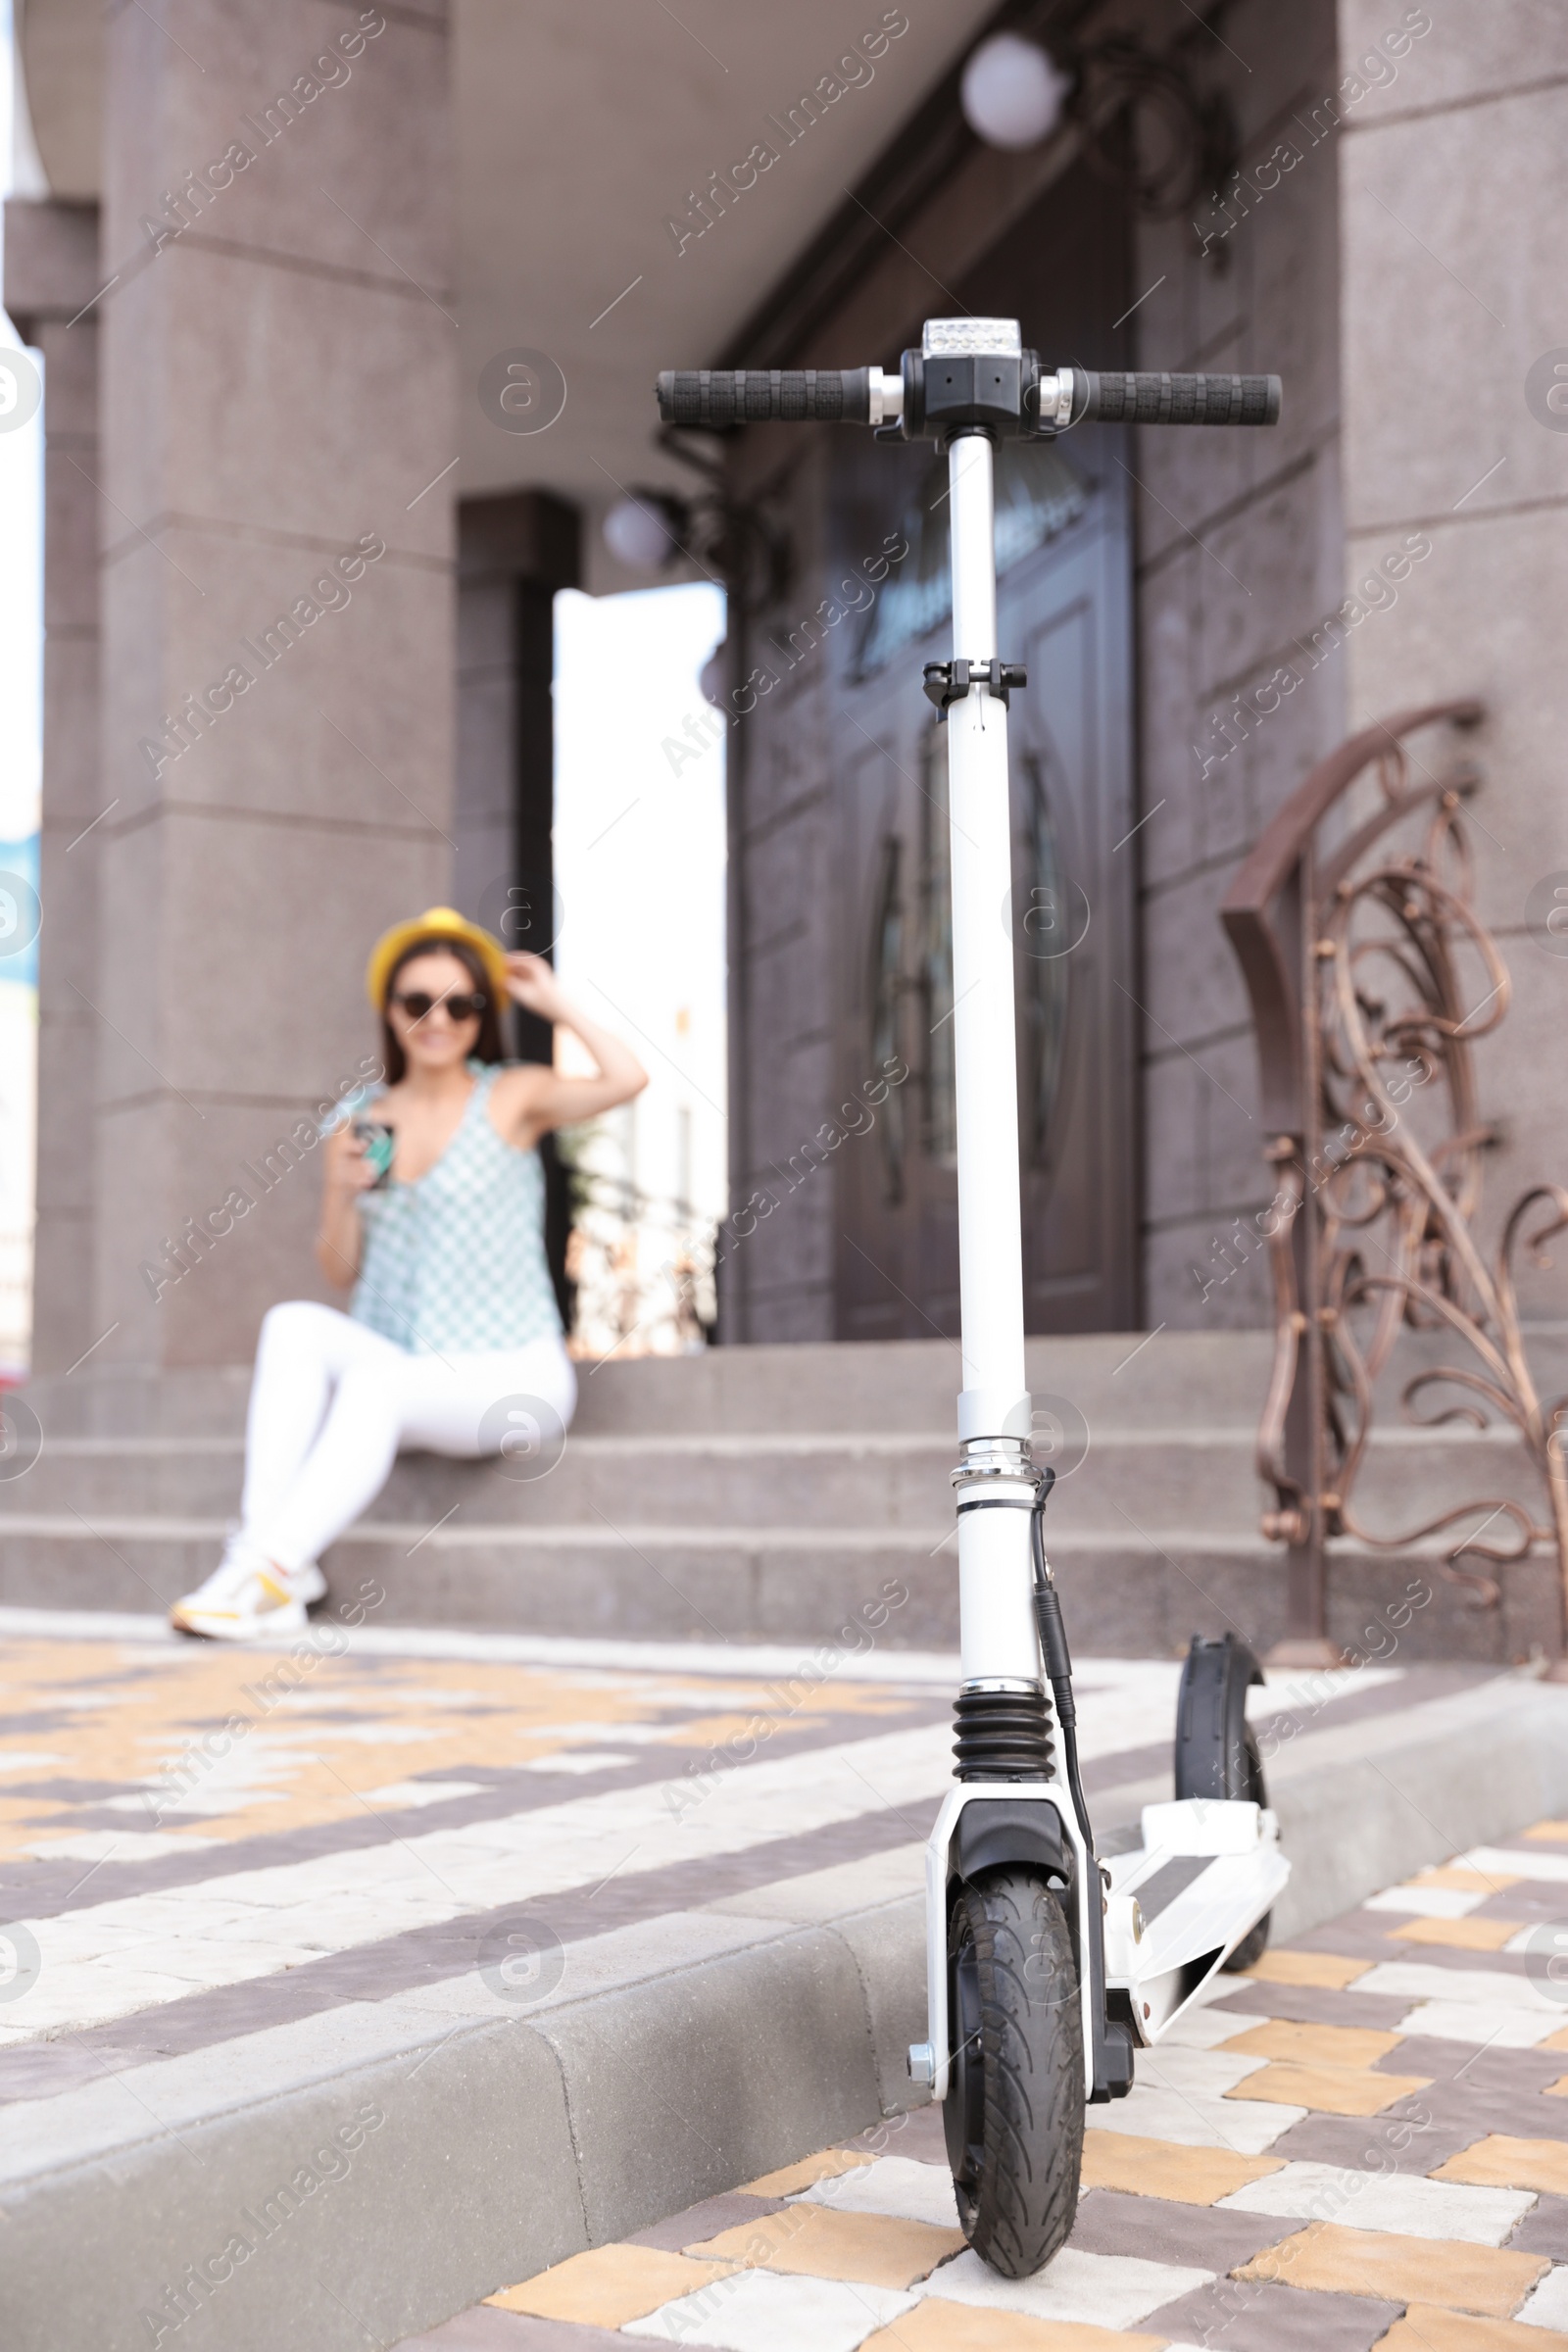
{"x":433,"y":1210}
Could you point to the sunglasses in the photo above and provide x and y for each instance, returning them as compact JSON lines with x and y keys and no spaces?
{"x":418,"y":1007}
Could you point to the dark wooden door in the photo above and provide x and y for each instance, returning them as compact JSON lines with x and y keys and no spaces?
{"x":1064,"y":607}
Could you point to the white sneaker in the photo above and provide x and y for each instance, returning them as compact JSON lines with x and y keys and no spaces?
{"x":248,"y":1594}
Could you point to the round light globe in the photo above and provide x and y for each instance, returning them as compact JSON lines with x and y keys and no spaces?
{"x":1012,"y":93}
{"x":640,"y":532}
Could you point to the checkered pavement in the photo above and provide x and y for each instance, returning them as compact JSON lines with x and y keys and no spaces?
{"x":1362,"y":2142}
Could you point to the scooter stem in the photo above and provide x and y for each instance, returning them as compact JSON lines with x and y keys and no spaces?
{"x":994,"y":1403}
{"x":995,"y":1570}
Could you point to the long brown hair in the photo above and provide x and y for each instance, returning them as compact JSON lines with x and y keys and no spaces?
{"x":487,"y":1047}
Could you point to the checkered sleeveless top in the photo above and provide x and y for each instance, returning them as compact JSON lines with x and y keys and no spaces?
{"x":454,"y":1263}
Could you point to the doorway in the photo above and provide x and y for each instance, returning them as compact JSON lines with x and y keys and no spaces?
{"x":1064,"y":605}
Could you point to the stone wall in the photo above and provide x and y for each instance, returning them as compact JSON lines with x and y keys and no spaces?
{"x":1240,"y":555}
{"x":1455,"y":180}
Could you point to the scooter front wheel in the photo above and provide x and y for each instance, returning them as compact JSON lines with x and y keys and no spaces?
{"x":1014,"y":2110}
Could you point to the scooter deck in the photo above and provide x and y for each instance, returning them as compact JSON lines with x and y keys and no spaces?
{"x":1208,"y":1871}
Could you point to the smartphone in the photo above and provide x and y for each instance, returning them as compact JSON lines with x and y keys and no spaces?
{"x":381,"y":1143}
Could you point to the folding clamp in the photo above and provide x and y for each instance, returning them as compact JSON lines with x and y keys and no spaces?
{"x":947,"y":682}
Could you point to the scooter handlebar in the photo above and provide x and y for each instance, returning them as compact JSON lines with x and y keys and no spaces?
{"x":720,"y":397}
{"x":1147,"y":399}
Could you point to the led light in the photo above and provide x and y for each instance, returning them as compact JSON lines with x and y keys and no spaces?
{"x":970,"y":338}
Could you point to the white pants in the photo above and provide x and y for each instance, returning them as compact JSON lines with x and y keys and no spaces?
{"x":332,"y":1402}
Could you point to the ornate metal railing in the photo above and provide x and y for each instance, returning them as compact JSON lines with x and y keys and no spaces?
{"x":1371,"y":980}
{"x":643,"y":1269}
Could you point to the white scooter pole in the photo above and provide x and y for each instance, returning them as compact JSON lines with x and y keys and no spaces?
{"x":1000,"y":1648}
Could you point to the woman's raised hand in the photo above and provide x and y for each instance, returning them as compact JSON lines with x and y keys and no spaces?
{"x":531,"y":983}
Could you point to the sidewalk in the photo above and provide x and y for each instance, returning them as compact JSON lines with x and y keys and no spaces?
{"x":1363,"y":2141}
{"x":447,"y":1955}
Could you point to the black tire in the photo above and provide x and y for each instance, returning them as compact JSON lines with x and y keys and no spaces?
{"x":1014,"y":2110}
{"x":1256,"y":1942}
{"x":1216,"y":1751}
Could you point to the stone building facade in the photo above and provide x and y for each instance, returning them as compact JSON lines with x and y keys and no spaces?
{"x":283,"y":383}
{"x":1375,"y":551}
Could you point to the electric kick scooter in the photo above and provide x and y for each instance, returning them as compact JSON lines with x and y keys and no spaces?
{"x":1047,"y":1967}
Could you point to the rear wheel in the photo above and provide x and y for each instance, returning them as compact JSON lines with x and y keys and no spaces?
{"x":1014,"y":2110}
{"x":1216,"y":1750}
{"x":1253,"y":1944}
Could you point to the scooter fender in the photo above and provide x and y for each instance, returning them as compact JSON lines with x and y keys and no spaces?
{"x":939,"y":1873}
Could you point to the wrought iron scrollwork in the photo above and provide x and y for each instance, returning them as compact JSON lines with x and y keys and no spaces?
{"x":1372,"y":980}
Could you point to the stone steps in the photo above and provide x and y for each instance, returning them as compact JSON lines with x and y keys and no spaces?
{"x":1192,"y":1477}
{"x":767,"y":1492}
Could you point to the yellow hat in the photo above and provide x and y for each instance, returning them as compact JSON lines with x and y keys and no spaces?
{"x":436,"y":922}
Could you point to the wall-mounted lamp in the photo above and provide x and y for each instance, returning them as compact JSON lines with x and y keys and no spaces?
{"x":1012,"y":94}
{"x":646,"y":530}
{"x":654,"y":530}
{"x":1140,"y":120}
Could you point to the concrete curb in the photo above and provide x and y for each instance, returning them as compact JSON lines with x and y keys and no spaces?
{"x":389,"y":2163}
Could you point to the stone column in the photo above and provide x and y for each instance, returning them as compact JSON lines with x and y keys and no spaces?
{"x":1453,"y":188}
{"x":51,"y":275}
{"x":280,"y":424}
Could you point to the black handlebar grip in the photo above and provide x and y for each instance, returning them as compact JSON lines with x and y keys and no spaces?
{"x":721,"y":397}
{"x":1144,"y":399}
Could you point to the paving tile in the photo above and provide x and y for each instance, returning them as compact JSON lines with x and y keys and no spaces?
{"x":1198,"y":2119}
{"x":705,"y":2221}
{"x":1460,"y":1934}
{"x":1543,"y":2230}
{"x":1544,"y":1869}
{"x":1499,"y":2162}
{"x":1495,"y":2025}
{"x":1395,"y":2142}
{"x":920,"y":2134}
{"x":1526,"y":2072}
{"x":1451,"y":1875}
{"x":1329,"y":2258}
{"x":1478,"y":2106}
{"x":792,"y":2178}
{"x":1422,"y":1901}
{"x":610,"y":2284}
{"x":1204,"y":2237}
{"x":1424,"y":2329}
{"x":1539,"y":1905}
{"x":1317,"y":2005}
{"x":757,"y":2311}
{"x":894,"y":2186}
{"x":1333,"y":2045}
{"x":808,"y":2240}
{"x":1364,"y":1934}
{"x":486,"y":2330}
{"x":1105,"y":2291}
{"x":1547,"y":2306}
{"x":1331,"y":2090}
{"x":1401,"y":2203}
{"x":1161,"y":2168}
{"x":1207,"y":2027}
{"x":1331,"y":1971}
{"x":934,"y":2327}
{"x":1243,"y":2314}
